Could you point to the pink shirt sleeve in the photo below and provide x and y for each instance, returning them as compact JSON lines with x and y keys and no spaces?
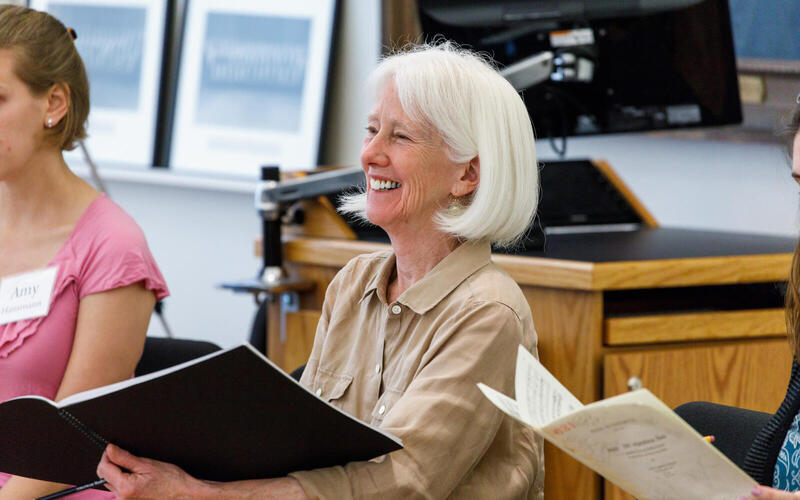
{"x":113,"y":253}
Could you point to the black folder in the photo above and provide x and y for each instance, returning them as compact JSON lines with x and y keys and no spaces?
{"x":231,"y":415}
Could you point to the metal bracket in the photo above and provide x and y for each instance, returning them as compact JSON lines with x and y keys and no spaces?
{"x":290,"y":302}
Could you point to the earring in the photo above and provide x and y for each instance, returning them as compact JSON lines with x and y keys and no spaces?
{"x":49,"y":123}
{"x":456,"y":205}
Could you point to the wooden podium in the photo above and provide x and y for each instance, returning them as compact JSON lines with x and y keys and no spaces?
{"x":691,"y":315}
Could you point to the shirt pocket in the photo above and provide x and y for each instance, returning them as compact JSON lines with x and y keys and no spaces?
{"x":331,"y":386}
{"x":385,"y":403}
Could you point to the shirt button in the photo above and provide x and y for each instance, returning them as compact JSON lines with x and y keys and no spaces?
{"x":319,"y":392}
{"x":378,"y":368}
{"x":382,"y":410}
{"x":396,"y":309}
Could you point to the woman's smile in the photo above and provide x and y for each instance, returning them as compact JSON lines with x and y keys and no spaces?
{"x":383,"y":185}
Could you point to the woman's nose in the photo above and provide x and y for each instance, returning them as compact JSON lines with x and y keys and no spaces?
{"x":373,"y":152}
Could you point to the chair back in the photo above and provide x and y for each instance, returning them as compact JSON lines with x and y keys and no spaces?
{"x":734,"y":429}
{"x":160,"y":353}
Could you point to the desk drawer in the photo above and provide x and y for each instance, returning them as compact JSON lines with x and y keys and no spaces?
{"x":660,"y":328}
{"x":750,"y":374}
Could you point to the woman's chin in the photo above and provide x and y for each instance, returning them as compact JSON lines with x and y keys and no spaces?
{"x":377,"y":217}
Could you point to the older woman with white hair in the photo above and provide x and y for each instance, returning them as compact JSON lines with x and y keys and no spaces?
{"x":406,"y":334}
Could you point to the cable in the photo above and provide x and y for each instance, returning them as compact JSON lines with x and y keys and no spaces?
{"x":93,"y":169}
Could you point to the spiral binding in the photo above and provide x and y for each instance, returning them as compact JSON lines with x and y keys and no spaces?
{"x":94,"y":437}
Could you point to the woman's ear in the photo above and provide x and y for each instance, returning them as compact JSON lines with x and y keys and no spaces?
{"x":469,"y":180}
{"x":58,"y":100}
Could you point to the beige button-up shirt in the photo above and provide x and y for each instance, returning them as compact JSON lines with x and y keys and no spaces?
{"x":411,"y":367}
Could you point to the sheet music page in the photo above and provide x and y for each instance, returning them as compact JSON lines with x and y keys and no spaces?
{"x":540,"y":396}
{"x":500,"y":400}
{"x":638,"y":443}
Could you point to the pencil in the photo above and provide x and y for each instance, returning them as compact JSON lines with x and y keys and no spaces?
{"x":74,"y":489}
{"x":708,"y":439}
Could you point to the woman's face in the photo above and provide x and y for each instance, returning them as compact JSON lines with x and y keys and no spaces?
{"x":409,"y":174}
{"x":22,"y":117}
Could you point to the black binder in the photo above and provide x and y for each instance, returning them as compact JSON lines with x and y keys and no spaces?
{"x":231,"y":415}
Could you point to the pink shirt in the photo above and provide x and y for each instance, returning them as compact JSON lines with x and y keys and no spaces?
{"x":106,"y":250}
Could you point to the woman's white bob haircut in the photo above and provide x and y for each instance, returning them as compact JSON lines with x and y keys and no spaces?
{"x":478,"y":114}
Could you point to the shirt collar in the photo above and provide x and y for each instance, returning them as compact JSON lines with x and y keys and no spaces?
{"x":438,"y":282}
{"x":380,"y":279}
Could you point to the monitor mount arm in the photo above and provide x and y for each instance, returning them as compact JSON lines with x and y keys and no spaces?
{"x":273,"y":198}
{"x":529,"y":71}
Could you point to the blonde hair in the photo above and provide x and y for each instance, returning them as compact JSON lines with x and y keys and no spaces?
{"x":788,"y":132}
{"x":44,"y":55}
{"x":478,"y":114}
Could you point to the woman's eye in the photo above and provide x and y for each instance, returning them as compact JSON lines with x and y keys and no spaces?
{"x":371,"y":130}
{"x":401,"y":136}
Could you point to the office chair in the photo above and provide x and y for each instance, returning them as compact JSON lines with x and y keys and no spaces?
{"x":258,"y":332}
{"x":297,"y":373}
{"x":160,"y":353}
{"x":734,"y":429}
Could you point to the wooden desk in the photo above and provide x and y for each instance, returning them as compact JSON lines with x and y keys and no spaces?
{"x":694,"y":315}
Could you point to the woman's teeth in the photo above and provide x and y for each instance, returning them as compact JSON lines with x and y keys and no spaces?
{"x":377,"y":185}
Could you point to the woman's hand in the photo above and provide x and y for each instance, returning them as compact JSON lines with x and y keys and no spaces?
{"x":133,"y":478}
{"x":766,"y":493}
{"x":145,"y":479}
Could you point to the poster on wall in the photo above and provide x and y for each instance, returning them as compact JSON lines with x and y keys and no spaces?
{"x":121,"y":43}
{"x":252,"y":85}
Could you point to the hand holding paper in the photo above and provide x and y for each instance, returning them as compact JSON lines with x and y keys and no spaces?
{"x":633,"y":439}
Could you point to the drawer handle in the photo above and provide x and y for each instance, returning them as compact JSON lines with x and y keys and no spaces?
{"x":634,"y":383}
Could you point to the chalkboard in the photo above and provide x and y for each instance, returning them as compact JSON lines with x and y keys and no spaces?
{"x":766,"y":29}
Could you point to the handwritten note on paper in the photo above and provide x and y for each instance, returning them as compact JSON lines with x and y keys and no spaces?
{"x":540,"y":396}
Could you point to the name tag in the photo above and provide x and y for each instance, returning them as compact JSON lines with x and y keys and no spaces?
{"x":26,"y":295}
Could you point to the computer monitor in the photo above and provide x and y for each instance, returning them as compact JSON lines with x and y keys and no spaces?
{"x":617,"y":65}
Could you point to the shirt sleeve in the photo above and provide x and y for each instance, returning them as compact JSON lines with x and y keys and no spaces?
{"x":116,"y":255}
{"x":443,"y":419}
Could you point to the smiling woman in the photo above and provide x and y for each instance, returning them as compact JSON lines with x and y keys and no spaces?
{"x":406,"y":334}
{"x":453,"y":102}
{"x":78,"y":281}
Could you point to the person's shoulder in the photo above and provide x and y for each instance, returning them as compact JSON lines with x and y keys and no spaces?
{"x":106,"y":231}
{"x":366,"y":262}
{"x":359,"y":270}
{"x":106,"y":222}
{"x":492,"y":285}
{"x":108,"y":250}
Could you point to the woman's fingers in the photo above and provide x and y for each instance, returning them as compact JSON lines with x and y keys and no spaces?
{"x":123,"y":483}
{"x":132,"y":477}
{"x":123,"y":458}
{"x":766,"y":493}
{"x":107,"y":470}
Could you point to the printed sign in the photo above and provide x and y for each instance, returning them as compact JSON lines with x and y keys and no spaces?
{"x":251,"y":91}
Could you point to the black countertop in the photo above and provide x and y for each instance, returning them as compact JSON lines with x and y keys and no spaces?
{"x":656,"y":244}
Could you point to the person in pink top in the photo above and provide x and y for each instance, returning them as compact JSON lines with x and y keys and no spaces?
{"x":77,"y":280}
